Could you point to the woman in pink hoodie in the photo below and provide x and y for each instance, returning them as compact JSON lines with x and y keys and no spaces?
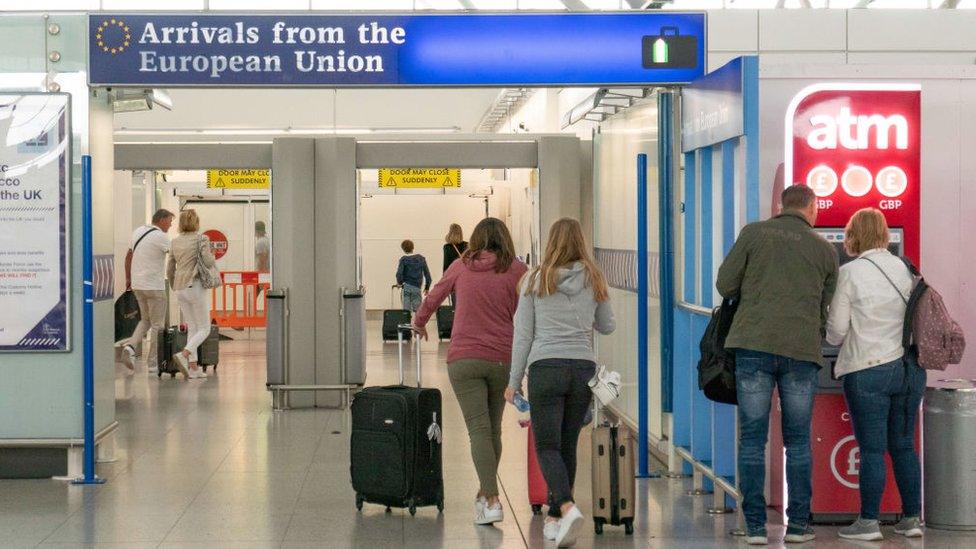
{"x":478,"y":361}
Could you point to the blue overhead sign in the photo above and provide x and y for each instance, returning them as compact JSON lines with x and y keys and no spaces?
{"x":396,"y":50}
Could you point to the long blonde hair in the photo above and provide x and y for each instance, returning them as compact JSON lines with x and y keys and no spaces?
{"x":454,"y":235}
{"x":566,"y":246}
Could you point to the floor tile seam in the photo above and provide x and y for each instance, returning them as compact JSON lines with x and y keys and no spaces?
{"x":508,"y":500}
{"x":202,"y":487}
{"x":301,"y":488}
{"x":68,"y":517}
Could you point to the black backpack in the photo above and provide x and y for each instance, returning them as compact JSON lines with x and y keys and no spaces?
{"x":127,"y":315}
{"x":716,"y":368}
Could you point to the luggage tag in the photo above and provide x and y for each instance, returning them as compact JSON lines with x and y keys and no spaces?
{"x":434,"y":431}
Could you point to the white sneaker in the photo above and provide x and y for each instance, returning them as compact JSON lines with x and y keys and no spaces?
{"x":489,"y":515}
{"x":197,"y":374}
{"x":569,"y":527}
{"x":183,"y":364}
{"x":129,"y":357}
{"x":550,"y":530}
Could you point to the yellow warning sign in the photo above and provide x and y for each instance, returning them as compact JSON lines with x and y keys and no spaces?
{"x":238,"y":179}
{"x":419,"y":178}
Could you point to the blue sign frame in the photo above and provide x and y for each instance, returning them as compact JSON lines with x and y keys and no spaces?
{"x":713,"y":107}
{"x":420,"y":50}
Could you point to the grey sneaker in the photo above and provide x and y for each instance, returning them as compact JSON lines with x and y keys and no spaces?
{"x":862,"y":530}
{"x":910,"y":527}
{"x":799,"y":534}
{"x":757,"y":537}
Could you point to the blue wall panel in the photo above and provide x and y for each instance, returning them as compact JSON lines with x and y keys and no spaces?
{"x":690,"y":209}
{"x":701,"y":423}
{"x":707,"y":226}
{"x":682,"y":379}
{"x":728,"y":195}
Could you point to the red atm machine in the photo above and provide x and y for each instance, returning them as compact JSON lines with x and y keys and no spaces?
{"x":856,"y":146}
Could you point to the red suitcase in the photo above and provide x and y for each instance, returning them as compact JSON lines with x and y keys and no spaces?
{"x":538,"y":490}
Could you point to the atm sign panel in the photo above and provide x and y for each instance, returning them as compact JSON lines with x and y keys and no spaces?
{"x":858,"y":146}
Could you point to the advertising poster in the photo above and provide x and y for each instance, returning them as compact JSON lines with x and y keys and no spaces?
{"x":35,"y":164}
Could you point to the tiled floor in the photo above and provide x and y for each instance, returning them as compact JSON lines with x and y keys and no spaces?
{"x":208,"y":464}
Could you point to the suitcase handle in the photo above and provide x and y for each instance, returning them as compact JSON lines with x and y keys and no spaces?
{"x":400,"y":329}
{"x":393,"y":303}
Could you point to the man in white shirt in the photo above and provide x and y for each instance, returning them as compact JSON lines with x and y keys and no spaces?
{"x":262,"y":248}
{"x":144,"y":275}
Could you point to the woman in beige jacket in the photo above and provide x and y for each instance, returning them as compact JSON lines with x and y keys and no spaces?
{"x":186,"y":252}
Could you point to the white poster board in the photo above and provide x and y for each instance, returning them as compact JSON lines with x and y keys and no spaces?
{"x":35,"y":176}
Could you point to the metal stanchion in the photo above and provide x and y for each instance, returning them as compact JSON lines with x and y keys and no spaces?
{"x":88,"y":315}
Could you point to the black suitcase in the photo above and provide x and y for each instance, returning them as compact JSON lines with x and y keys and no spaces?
{"x":395,"y":451}
{"x":169,"y":341}
{"x":393,"y":318}
{"x":209,"y":352}
{"x":445,"y":322}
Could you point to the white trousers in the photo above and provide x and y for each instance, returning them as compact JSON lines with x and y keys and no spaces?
{"x":195,"y":305}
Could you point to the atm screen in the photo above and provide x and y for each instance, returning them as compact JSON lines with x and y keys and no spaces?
{"x":836,"y":237}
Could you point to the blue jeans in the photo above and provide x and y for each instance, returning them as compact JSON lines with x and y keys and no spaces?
{"x":756,"y":374}
{"x":411,"y":298}
{"x":884,"y":406}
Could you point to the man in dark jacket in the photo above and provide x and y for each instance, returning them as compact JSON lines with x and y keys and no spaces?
{"x":783,"y":274}
{"x":412,"y":275}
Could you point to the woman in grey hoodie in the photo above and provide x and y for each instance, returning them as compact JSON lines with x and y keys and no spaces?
{"x":561,"y":302}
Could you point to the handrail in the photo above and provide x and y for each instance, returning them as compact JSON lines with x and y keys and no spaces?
{"x":697,"y":309}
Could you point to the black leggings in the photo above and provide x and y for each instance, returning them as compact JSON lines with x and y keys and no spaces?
{"x":560,"y":397}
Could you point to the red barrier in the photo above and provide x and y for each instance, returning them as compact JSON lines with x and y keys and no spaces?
{"x":243,"y":299}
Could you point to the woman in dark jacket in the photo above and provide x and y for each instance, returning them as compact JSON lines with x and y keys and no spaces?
{"x":453,"y":250}
{"x":455,"y":246}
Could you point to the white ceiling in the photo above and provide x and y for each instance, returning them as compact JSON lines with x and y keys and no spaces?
{"x":277,"y":109}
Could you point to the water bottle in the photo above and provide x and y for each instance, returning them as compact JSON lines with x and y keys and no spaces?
{"x":521,"y":404}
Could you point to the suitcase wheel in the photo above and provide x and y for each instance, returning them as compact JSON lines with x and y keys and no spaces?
{"x":359,"y":502}
{"x":388,"y":510}
{"x":413,"y":508}
{"x":629,"y":527}
{"x":440,"y":505}
{"x":536,"y":509}
{"x":598,"y":526}
{"x":204,"y":366}
{"x":159,"y":375}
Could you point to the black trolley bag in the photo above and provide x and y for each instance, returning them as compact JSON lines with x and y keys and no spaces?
{"x":445,"y":322}
{"x":208,"y":354}
{"x":392,"y":318}
{"x":395,"y":451}
{"x":169,"y":341}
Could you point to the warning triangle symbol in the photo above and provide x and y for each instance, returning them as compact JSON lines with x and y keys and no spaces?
{"x":392,"y":182}
{"x":448,"y":182}
{"x":220,"y":182}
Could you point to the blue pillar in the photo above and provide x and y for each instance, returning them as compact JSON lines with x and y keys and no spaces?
{"x":643,"y":290}
{"x":666,"y":245}
{"x":88,"y":315}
